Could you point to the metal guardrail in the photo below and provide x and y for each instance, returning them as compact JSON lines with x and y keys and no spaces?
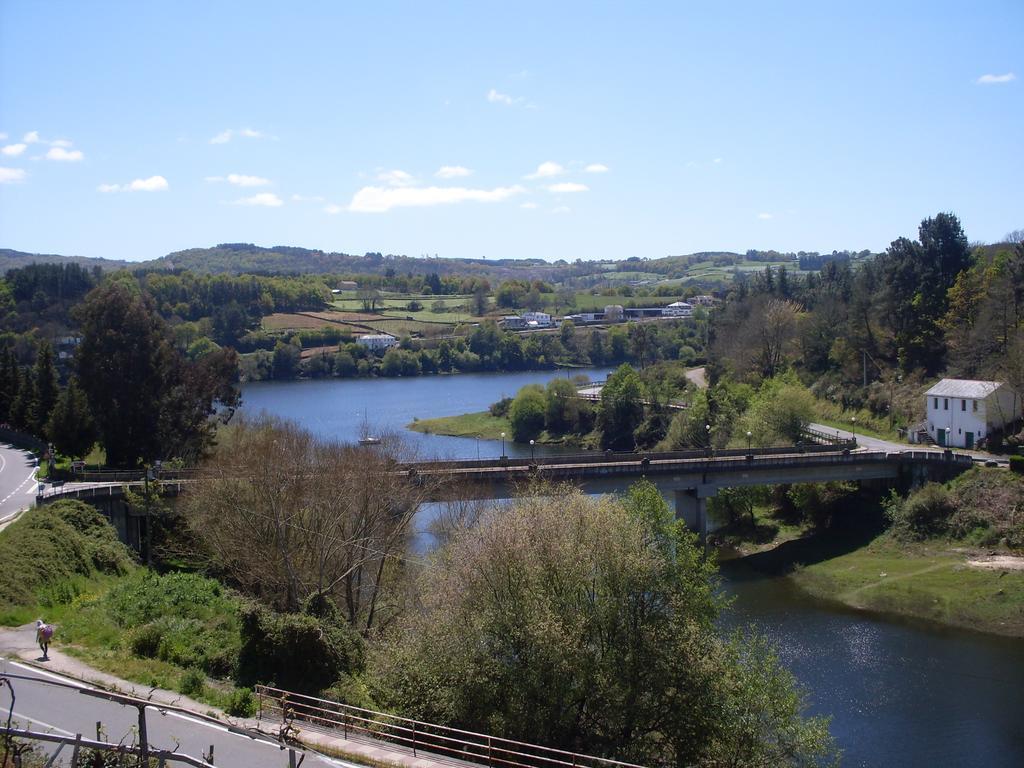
{"x":162,"y":757}
{"x":441,"y":742}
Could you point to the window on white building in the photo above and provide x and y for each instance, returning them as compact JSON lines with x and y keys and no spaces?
{"x":945,"y":403}
{"x":974,"y":404}
{"x":963,"y":405}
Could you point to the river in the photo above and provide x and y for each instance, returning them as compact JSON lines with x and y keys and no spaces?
{"x":900,"y":693}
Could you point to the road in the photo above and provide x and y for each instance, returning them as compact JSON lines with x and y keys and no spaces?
{"x":17,"y":484}
{"x":877,"y":444}
{"x":66,"y":711}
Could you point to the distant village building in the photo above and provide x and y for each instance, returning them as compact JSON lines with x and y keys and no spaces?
{"x":541,"y":319}
{"x":678,"y":309}
{"x":613,"y":313}
{"x":513,"y":323}
{"x":960,"y":412}
{"x":347,"y":285}
{"x":703,"y":301}
{"x":377,"y":342}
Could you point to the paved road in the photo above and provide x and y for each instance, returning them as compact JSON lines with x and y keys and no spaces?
{"x":877,"y":444}
{"x":17,"y":486}
{"x":66,"y":712}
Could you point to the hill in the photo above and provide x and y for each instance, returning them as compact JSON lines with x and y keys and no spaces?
{"x":11,"y":259}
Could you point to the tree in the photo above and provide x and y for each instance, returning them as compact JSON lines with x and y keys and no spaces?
{"x":526,"y":414}
{"x":622,"y":408}
{"x":10,"y":379}
{"x":46,"y":389}
{"x":71,"y":427}
{"x":589,"y":625}
{"x":149,"y":401}
{"x":288,"y":516}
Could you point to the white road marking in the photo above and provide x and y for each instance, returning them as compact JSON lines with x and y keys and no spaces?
{"x":44,"y":673}
{"x":31,"y":475}
{"x":36,"y":721}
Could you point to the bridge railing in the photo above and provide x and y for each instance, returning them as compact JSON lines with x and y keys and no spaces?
{"x":440,"y":742}
{"x":826,"y":438}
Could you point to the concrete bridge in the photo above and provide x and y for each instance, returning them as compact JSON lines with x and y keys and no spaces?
{"x":689,"y":478}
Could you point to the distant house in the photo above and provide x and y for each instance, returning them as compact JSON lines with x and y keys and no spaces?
{"x":678,"y":309}
{"x":960,"y":412}
{"x":513,"y":323}
{"x":703,"y":301}
{"x":347,"y":285}
{"x":377,"y":342}
{"x":542,"y":319}
{"x":613,"y":313}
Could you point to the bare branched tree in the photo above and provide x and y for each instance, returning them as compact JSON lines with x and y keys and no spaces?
{"x":289,"y":516}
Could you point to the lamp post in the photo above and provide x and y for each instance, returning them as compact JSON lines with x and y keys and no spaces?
{"x":532,"y":443}
{"x":478,"y":447}
{"x":503,"y":445}
{"x":749,"y":435}
{"x":853,"y":425}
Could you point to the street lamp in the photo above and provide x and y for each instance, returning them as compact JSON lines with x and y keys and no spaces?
{"x":853,"y":424}
{"x":478,"y":447}
{"x":749,"y":435}
{"x":503,"y":445}
{"x":531,"y":450}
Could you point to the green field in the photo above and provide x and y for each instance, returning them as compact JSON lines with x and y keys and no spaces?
{"x":922,"y":580}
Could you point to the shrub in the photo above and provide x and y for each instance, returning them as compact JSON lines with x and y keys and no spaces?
{"x":192,"y":682}
{"x":926,"y":512}
{"x":1017,"y":464}
{"x":295,"y":651}
{"x":526,"y":413}
{"x":241,"y":703}
{"x":501,"y":407}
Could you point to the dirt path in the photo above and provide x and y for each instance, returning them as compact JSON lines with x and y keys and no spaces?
{"x":698,"y":377}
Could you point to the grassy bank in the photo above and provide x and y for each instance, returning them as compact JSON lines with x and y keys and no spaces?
{"x":481,"y":424}
{"x":924,"y":580}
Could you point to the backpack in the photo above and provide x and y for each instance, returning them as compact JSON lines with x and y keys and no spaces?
{"x":46,"y":631}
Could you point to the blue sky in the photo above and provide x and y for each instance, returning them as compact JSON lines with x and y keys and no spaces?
{"x":551,"y":130}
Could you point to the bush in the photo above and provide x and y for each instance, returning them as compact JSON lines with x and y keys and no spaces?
{"x":1017,"y":464}
{"x":501,"y":407}
{"x":526,"y":414}
{"x":192,"y":682}
{"x":295,"y":651}
{"x":925,"y":513}
{"x":241,"y":703}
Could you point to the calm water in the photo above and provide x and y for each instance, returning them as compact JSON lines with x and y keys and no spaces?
{"x":899,"y":693}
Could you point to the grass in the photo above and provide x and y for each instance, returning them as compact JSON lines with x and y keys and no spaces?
{"x":481,"y":424}
{"x":869,"y":424}
{"x":770,"y":529}
{"x":927,"y":581}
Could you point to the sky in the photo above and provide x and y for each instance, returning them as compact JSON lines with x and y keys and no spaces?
{"x":548,"y":130}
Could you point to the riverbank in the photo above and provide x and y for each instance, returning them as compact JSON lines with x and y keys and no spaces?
{"x":483,"y":425}
{"x":936,"y":581}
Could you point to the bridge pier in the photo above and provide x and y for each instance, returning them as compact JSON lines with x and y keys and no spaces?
{"x":692,"y":508}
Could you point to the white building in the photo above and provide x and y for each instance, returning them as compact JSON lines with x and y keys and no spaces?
{"x":678,"y":309}
{"x":960,"y":412}
{"x":377,"y":342}
{"x":542,"y":319}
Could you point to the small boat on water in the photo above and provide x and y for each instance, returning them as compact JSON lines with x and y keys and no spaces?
{"x":369,"y":440}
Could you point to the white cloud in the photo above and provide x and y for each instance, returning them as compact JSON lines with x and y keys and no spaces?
{"x":64,"y":155}
{"x":152,"y":184}
{"x":333,"y":209}
{"x":396,"y":178}
{"x":501,"y":98}
{"x":717,"y":161}
{"x":13,"y":150}
{"x":60,"y":143}
{"x":528,"y":206}
{"x":240,"y":180}
{"x":227,"y":135}
{"x":568,"y":186}
{"x":32,"y":137}
{"x":765,"y":216}
{"x":452,"y":172}
{"x":11,"y":175}
{"x":596,"y":168}
{"x":265,"y":199}
{"x":1009,"y":77}
{"x":381,"y":199}
{"x":546,"y":171}
{"x":561,"y":209}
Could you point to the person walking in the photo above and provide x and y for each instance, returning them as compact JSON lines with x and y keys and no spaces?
{"x":44,"y":632}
